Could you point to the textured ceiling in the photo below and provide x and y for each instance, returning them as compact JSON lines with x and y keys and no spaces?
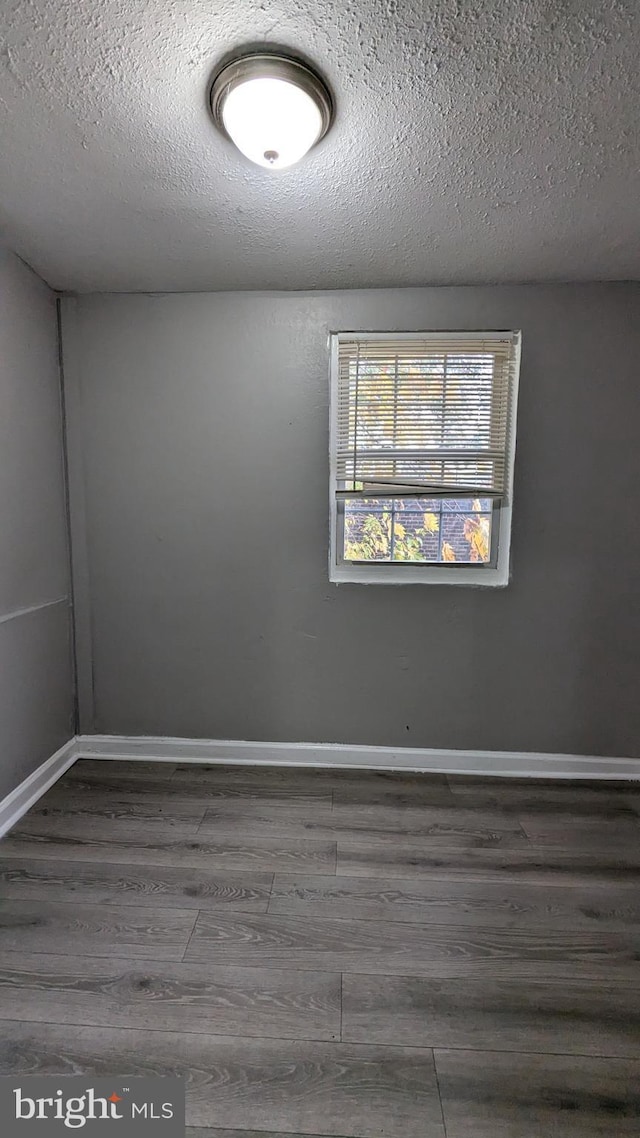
{"x":475,"y":140}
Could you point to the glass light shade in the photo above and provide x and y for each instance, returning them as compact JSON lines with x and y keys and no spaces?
{"x":272,"y":106}
{"x":272,"y":121}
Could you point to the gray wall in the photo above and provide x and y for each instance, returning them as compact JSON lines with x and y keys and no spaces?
{"x":204,"y":429}
{"x":36,"y":694}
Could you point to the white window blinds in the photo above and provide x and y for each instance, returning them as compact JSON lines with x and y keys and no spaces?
{"x":426,"y":414}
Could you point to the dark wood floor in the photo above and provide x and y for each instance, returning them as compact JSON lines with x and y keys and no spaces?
{"x":325,"y":953}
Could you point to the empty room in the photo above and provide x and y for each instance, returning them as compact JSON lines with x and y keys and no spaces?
{"x":319,"y":558}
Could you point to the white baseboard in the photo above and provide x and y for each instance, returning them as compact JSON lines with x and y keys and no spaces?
{"x":35,"y":785}
{"x":508,"y":764}
{"x":158,"y":749}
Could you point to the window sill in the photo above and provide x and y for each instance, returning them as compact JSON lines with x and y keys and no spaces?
{"x":386,"y":574}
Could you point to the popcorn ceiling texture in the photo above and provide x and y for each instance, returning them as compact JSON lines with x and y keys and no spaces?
{"x":474,"y":141}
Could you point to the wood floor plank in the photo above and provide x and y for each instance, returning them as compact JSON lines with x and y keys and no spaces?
{"x":135,"y":769}
{"x":439,"y":798}
{"x":574,"y":1018}
{"x":547,"y":796}
{"x":263,"y":855}
{"x":514,"y":905}
{"x":94,"y":930}
{"x":386,"y":948}
{"x":155,"y":788}
{"x":269,"y":1085}
{"x":394,"y":789}
{"x":65,"y":804}
{"x":571,"y":787}
{"x":298,"y":816}
{"x":162,"y":791}
{"x":292,"y":776}
{"x":166,"y":996}
{"x":257,"y":775}
{"x":533,"y":864}
{"x":320,"y":802}
{"x":258,"y":782}
{"x":103,"y":828}
{"x":396,"y":795}
{"x":576,"y":832}
{"x":377,"y":825}
{"x":96,"y":882}
{"x":500,"y":1095}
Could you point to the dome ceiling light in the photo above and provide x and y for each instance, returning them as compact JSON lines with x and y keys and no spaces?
{"x":272,"y":107}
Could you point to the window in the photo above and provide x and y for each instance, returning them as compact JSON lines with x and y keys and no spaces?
{"x":422,"y":450}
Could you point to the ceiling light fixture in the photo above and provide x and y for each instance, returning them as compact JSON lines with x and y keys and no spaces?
{"x":272,"y":107}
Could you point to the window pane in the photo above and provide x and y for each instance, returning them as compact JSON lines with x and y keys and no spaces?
{"x":423,"y":530}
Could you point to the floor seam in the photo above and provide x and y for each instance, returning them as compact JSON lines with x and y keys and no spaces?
{"x":191,"y":935}
{"x":326,"y":1039}
{"x":435,"y":1072}
{"x":270,"y":897}
{"x":520,"y":824}
{"x":317,"y":1039}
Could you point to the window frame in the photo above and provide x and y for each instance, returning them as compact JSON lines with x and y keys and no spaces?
{"x":494,"y":574}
